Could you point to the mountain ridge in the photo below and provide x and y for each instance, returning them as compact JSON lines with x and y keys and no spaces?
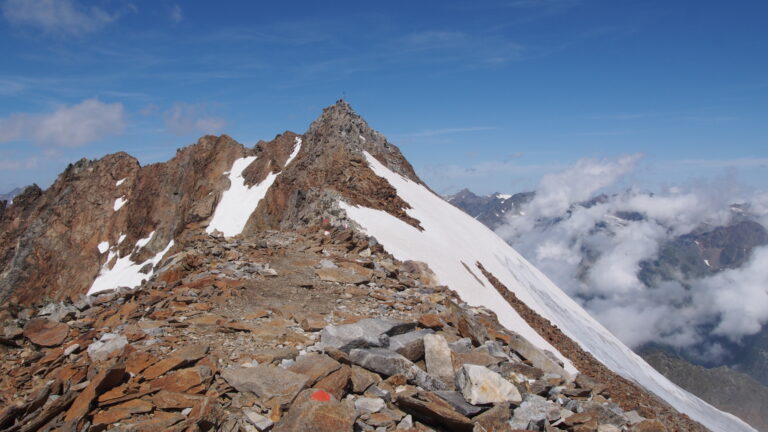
{"x":340,"y":173}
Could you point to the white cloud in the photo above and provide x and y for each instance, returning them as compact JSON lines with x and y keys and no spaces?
{"x":56,"y":16}
{"x":596,"y":256}
{"x":184,"y":118}
{"x":176,"y":14}
{"x":67,"y":126}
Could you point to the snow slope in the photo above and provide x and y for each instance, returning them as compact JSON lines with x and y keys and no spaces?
{"x":239,"y":201}
{"x":451,"y":237}
{"x":125,"y":273}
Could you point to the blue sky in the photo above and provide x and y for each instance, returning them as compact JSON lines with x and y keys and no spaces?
{"x":490,"y":95}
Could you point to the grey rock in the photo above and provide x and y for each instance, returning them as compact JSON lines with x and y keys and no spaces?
{"x":390,"y":363}
{"x":536,"y":356}
{"x":633,"y":417}
{"x":437,"y":356}
{"x":480,"y":385}
{"x":266,"y":381}
{"x":535,"y":409}
{"x":462,"y":345}
{"x":367,"y":333}
{"x":108,"y":343}
{"x":365,"y":405}
{"x":405,"y":423}
{"x":457,"y":401}
{"x":259,"y":421}
{"x":410,"y":345}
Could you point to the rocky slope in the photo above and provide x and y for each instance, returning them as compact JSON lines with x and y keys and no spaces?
{"x":198,"y":246}
{"x":288,"y":332}
{"x":723,"y":387}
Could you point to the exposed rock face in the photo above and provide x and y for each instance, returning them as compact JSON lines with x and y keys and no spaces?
{"x":50,"y":241}
{"x":492,"y":210}
{"x":331,"y":165}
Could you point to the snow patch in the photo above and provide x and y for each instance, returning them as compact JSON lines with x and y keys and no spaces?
{"x":361,"y":137}
{"x":451,"y":236}
{"x":120,"y":202}
{"x":121,"y":181}
{"x":121,"y":238}
{"x":103,"y":247}
{"x":504,"y":196}
{"x":126,"y":273}
{"x":239,"y":201}
{"x":706,"y":261}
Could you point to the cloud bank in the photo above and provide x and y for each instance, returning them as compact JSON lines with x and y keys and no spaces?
{"x":594,"y":248}
{"x":66,"y":126}
{"x":63,"y":17}
{"x":184,"y":118}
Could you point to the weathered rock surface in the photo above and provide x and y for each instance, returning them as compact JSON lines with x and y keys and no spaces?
{"x":480,"y":385}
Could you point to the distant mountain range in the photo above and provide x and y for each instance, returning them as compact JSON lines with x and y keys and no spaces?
{"x":705,"y":251}
{"x":10,"y":195}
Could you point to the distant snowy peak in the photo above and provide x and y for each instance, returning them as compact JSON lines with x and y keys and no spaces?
{"x":491,"y":210}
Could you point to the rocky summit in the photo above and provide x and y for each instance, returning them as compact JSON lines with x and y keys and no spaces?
{"x":229,"y":290}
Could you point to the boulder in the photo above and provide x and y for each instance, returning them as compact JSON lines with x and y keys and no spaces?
{"x":410,"y":345}
{"x":266,"y":382}
{"x":317,"y":411}
{"x":106,"y":345}
{"x":366,"y":405}
{"x":437,"y":356}
{"x":366,"y":333}
{"x":480,"y":385}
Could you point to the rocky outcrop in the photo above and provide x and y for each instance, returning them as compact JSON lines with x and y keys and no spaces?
{"x":214,"y":344}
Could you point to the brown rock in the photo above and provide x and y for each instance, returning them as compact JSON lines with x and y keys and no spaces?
{"x":313,"y":412}
{"x":103,"y":381}
{"x":173,"y":400}
{"x":336,"y":383}
{"x":431,"y":409}
{"x":315,"y":367}
{"x":344,"y":275}
{"x":362,"y":379}
{"x":496,"y":418}
{"x":122,"y":411}
{"x":183,"y":380}
{"x":432,"y":321}
{"x":44,"y":332}
{"x":177,"y":358}
{"x":649,"y":426}
{"x":161,"y":421}
{"x":136,"y":361}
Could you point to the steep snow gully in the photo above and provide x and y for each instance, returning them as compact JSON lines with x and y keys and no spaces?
{"x":451,"y":237}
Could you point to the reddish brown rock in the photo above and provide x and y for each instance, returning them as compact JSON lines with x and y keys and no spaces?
{"x":121,"y":411}
{"x":44,"y":332}
{"x":317,"y":414}
{"x":103,"y":381}
{"x":177,"y":358}
{"x":336,"y":383}
{"x":315,"y":367}
{"x":432,"y":321}
{"x":173,"y":400}
{"x":183,"y":380}
{"x":431,"y":409}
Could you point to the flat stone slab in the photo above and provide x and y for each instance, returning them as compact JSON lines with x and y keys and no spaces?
{"x":45,"y":332}
{"x":366,"y":333}
{"x":266,"y":382}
